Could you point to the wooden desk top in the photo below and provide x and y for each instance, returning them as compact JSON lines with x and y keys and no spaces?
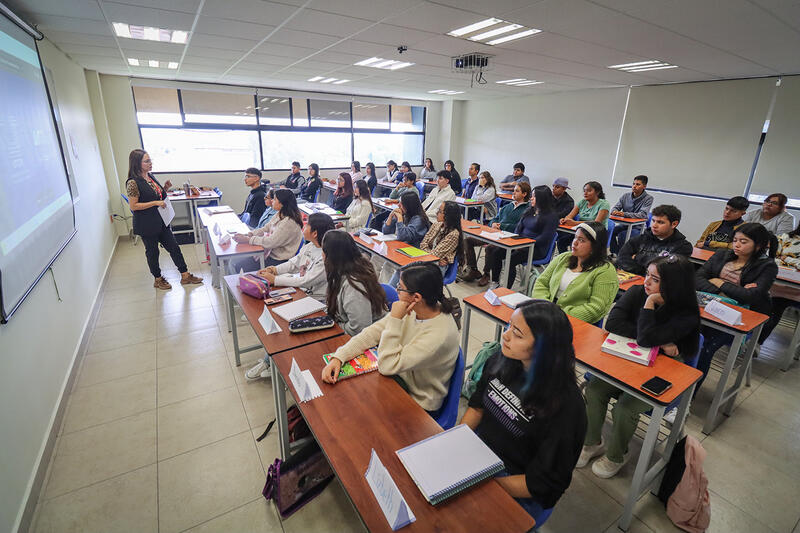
{"x":386,"y":203}
{"x":564,"y":227}
{"x":587,"y":340}
{"x":788,"y":276}
{"x":468,"y":227}
{"x":467,"y":201}
{"x":372,"y":412}
{"x":626,"y":220}
{"x":276,"y":343}
{"x":393,"y":256}
{"x":701,"y":255}
{"x":506,"y":196}
{"x":204,"y":195}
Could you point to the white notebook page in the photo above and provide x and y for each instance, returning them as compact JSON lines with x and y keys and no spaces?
{"x":298,"y":309}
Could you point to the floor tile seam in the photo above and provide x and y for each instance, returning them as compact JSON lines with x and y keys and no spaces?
{"x":117,"y":419}
{"x":194,"y":397}
{"x":78,"y":386}
{"x":750,"y":515}
{"x":222,"y":514}
{"x":215,"y":355}
{"x":44,"y":500}
{"x":217,"y":441}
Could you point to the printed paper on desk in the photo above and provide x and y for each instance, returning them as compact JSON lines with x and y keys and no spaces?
{"x":789,"y":273}
{"x":216,"y":229}
{"x":167,"y":212}
{"x":723,"y":312}
{"x":366,"y":238}
{"x":391,"y":501}
{"x":492,"y":298}
{"x":225,"y":239}
{"x":267,"y":322}
{"x":381,"y":248}
{"x":304,"y":383}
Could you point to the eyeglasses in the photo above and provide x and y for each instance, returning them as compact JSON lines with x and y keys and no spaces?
{"x":771,"y":202}
{"x":404,"y":290}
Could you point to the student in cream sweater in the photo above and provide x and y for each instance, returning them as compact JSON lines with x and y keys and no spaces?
{"x":360,"y":208}
{"x":442,"y":193}
{"x":417,"y":341}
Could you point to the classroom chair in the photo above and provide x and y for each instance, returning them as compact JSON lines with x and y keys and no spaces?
{"x":316,"y":194}
{"x":302,"y":243}
{"x":448,"y":413}
{"x":369,"y":219}
{"x":542,"y":518}
{"x":464,"y":182}
{"x":245,"y":218}
{"x":538,"y":265}
{"x":450,"y":275}
{"x":391,"y":294}
{"x":421,"y":189}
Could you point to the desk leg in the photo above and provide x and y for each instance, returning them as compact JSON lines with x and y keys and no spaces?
{"x":528,"y":268}
{"x":637,"y":484}
{"x":229,"y":305}
{"x":628,"y":234}
{"x":792,"y":349}
{"x":506,"y":268}
{"x":194,"y":222}
{"x":744,"y":370}
{"x":711,"y":417}
{"x":465,"y":330}
{"x":279,"y":396}
{"x":232,"y":321}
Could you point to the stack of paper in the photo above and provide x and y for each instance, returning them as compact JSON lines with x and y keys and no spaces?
{"x":299,"y":308}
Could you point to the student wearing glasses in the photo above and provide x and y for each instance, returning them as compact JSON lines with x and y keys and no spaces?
{"x":528,"y":409}
{"x":772,"y":215}
{"x":417,"y":341}
{"x":662,"y":312}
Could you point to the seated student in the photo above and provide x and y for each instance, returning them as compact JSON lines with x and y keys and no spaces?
{"x":280,"y":238}
{"x":517,"y":176}
{"x":408,"y":222}
{"x":269,"y":212}
{"x":405,"y":166}
{"x":773,"y":215}
{"x":634,"y":204}
{"x":370,"y":177}
{"x":343,"y":195}
{"x":472,"y":181}
{"x":453,"y":176}
{"x":594,"y":206}
{"x":505,"y":220}
{"x":355,"y":171}
{"x":719,"y":234}
{"x":564,"y":202}
{"x":360,"y":208}
{"x":355,"y":298}
{"x":662,"y":312}
{"x":787,"y":256}
{"x":486,"y":192}
{"x":417,"y":341}
{"x":745,"y":273}
{"x":294,"y":181}
{"x":428,"y":172}
{"x":441,"y":193}
{"x":308,"y":192}
{"x":539,"y":222}
{"x":661,"y":238}
{"x":408,"y":184}
{"x":254,"y":205}
{"x":391,"y":171}
{"x":583,"y":282}
{"x":528,"y":409}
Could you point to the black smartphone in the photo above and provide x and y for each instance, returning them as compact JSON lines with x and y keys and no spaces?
{"x":656,"y":386}
{"x":518,"y":237}
{"x":369,"y":232}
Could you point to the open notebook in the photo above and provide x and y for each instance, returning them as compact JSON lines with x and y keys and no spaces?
{"x":299,"y":308}
{"x":448,"y":463}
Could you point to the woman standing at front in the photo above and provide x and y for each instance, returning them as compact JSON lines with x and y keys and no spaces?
{"x":145,"y":196}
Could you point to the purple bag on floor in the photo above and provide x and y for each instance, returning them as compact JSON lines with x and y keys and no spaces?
{"x":298,"y":480}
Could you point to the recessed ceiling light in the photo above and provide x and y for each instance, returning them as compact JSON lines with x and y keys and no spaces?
{"x":327,"y":80}
{"x":368,"y":62}
{"x":340,"y":82}
{"x":519,"y":82}
{"x":284,"y":100}
{"x":511,"y":80}
{"x":148,"y":33}
{"x":133,"y":62}
{"x":172,"y":64}
{"x":153,"y":63}
{"x":399,"y":64}
{"x":446,"y":92}
{"x":315,"y":78}
{"x":643,"y":66}
{"x":493,"y":27}
{"x":655,"y":67}
{"x":637,"y":64}
{"x":386,"y":64}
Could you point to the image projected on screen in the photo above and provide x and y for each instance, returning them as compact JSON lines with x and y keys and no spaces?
{"x":36,"y":216}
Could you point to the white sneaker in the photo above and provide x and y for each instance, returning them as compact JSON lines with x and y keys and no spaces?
{"x":669,"y":416}
{"x":589,"y":452}
{"x":493,"y":285}
{"x":261,"y":370}
{"x":606,"y":468}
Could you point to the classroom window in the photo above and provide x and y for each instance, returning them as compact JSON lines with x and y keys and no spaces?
{"x":327,"y":149}
{"x":157,"y":106}
{"x":330,"y":114}
{"x":187,"y":150}
{"x":381,"y":147}
{"x":371,"y":116}
{"x":408,"y":118}
{"x":218,"y":108}
{"x":273,"y":111}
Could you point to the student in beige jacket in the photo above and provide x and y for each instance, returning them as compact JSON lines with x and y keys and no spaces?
{"x":417,"y":341}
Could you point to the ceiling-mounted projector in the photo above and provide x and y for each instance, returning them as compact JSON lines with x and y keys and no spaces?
{"x":469,"y":63}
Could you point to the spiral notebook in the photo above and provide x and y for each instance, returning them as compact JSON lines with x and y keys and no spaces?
{"x":448,"y":463}
{"x":299,"y":308}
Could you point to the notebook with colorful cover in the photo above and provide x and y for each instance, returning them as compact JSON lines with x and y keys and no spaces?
{"x":623,"y":276}
{"x":627,"y":348}
{"x":411,"y":251}
{"x":362,"y":364}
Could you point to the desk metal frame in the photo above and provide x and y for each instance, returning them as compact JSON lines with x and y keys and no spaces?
{"x":507,"y":261}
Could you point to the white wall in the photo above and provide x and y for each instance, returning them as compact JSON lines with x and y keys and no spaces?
{"x":40,"y":342}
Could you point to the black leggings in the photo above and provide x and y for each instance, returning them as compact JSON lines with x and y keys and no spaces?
{"x":166,"y":238}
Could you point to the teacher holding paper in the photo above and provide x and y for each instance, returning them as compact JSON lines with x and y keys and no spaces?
{"x":146,"y":196}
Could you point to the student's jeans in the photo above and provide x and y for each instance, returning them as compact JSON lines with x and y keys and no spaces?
{"x":471,"y":259}
{"x":167,"y":239}
{"x":625,"y":417}
{"x":714,"y":340}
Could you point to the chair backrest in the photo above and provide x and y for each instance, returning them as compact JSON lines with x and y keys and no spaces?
{"x":316,"y":194}
{"x":369,"y":219}
{"x":420,"y":188}
{"x":302,"y":243}
{"x":448,"y":412}
{"x":693,"y":361}
{"x":649,"y":219}
{"x":499,"y":202}
{"x":125,"y":198}
{"x":391,"y":294}
{"x":246,"y":218}
{"x":451,"y":272}
{"x":549,"y":257}
{"x":610,"y":229}
{"x":464,"y":182}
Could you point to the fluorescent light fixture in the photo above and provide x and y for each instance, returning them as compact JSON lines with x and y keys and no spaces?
{"x":520,"y":82}
{"x":122,"y":30}
{"x":498,"y":31}
{"x":386,"y":64}
{"x":520,"y":35}
{"x":474,"y":27}
{"x":148,"y":33}
{"x":660,"y":67}
{"x":284,"y":100}
{"x":315,"y":78}
{"x":369,"y":62}
{"x":446,"y":92}
{"x":179,"y":36}
{"x":153,"y":63}
{"x":525,"y":83}
{"x":152,"y":34}
{"x":511,"y":80}
{"x":172,"y":64}
{"x":399,"y":65}
{"x":340,"y":82}
{"x":327,"y":80}
{"x":133,"y":62}
{"x":637,"y":64}
{"x":643,"y":66}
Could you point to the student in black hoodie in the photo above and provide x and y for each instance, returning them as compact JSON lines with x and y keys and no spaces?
{"x":745,"y":273}
{"x":527,"y":407}
{"x":254,"y":206}
{"x":662,"y":238}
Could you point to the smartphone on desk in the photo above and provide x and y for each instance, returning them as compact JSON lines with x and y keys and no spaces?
{"x":278,"y":299}
{"x":518,"y":237}
{"x":656,"y":386}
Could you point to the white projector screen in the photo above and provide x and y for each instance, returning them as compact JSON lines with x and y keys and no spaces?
{"x":694,"y":138}
{"x":36,"y":216}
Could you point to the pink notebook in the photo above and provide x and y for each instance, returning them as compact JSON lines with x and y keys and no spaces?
{"x":628,"y":349}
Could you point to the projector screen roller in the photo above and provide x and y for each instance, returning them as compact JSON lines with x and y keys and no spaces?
{"x":36,"y":214}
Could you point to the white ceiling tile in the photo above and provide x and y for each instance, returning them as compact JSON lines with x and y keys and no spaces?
{"x":72,"y":25}
{"x":232,"y":28}
{"x":151,"y":46}
{"x":495,"y":8}
{"x":394,"y":35}
{"x":367,"y":9}
{"x":65,"y":37}
{"x":255,"y":11}
{"x":436,"y":18}
{"x":310,"y":20}
{"x":284,"y":50}
{"x":224,"y":43}
{"x":81,"y":49}
{"x":145,"y":16}
{"x":200,"y":52}
{"x":185,"y":6}
{"x":83,"y":9}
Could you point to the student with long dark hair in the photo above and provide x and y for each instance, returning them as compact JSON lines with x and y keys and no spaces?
{"x":528,"y":409}
{"x":593,"y":207}
{"x":453,"y":176}
{"x":355,"y":171}
{"x":417,"y":341}
{"x":745,"y":273}
{"x":280,"y":238}
{"x":370,"y":177}
{"x":486,"y":192}
{"x":583,"y":282}
{"x":428,"y":171}
{"x":539,"y":222}
{"x":269,"y":212}
{"x":360,"y":208}
{"x":355,"y":299}
{"x":662,"y":312}
{"x":408,"y":221}
{"x":343,"y":195}
{"x":308,"y":191}
{"x":145,"y":196}
{"x":391,"y":171}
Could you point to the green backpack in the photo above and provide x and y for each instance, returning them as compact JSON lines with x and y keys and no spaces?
{"x":471,"y":383}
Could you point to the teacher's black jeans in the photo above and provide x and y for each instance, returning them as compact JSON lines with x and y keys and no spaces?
{"x":167,"y":239}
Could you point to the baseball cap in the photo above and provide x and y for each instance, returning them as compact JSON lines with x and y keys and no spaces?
{"x":563,"y":182}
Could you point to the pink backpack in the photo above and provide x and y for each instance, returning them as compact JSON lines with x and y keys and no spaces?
{"x":689,"y":507}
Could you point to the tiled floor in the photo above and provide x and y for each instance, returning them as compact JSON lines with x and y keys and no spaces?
{"x":159,"y":432}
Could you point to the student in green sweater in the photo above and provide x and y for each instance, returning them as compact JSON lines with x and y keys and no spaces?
{"x":506,"y":220}
{"x":583,"y":282}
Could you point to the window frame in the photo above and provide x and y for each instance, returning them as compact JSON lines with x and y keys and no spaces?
{"x":292,"y":128}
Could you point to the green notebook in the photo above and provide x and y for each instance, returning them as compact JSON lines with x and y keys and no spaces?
{"x":411,"y":251}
